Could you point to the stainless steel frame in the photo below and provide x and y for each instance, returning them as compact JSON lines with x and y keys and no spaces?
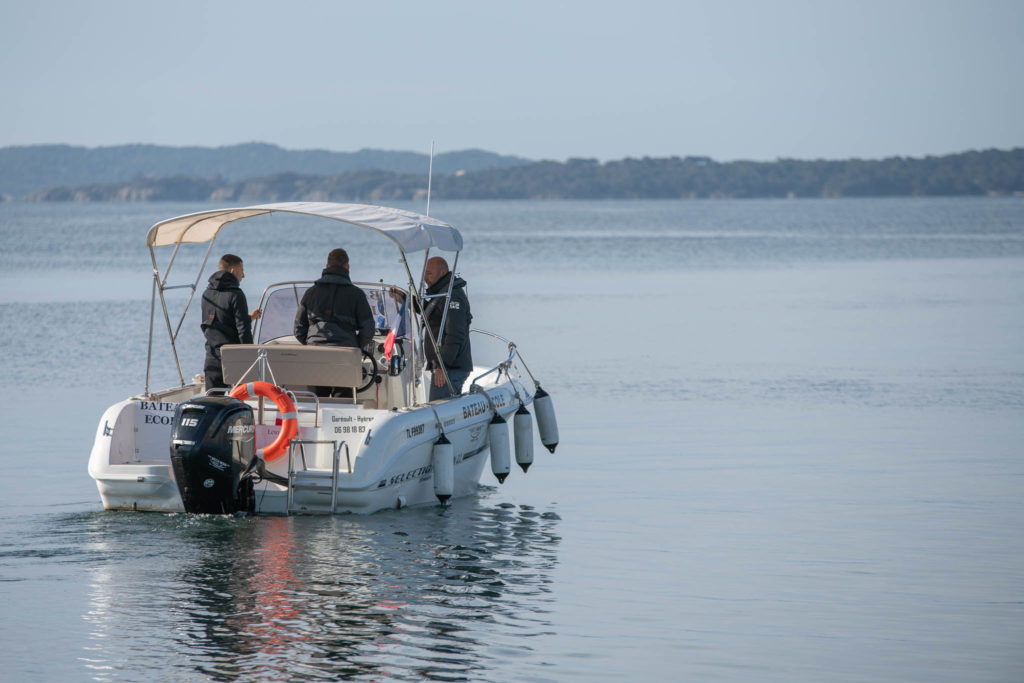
{"x":422,"y":328}
{"x":513,"y":354}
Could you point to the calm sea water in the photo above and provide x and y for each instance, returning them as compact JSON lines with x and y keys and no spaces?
{"x":792,"y":450}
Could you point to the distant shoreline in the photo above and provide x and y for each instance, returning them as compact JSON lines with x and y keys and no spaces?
{"x":398,"y":202}
{"x":974,"y":173}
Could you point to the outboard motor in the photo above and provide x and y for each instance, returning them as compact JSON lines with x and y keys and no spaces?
{"x":213,"y":453}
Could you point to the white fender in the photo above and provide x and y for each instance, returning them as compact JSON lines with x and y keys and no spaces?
{"x":546,"y":423}
{"x":497,"y":435}
{"x":443,"y":463}
{"x":522,"y":428}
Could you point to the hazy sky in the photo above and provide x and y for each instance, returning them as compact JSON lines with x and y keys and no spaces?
{"x":741,"y":79}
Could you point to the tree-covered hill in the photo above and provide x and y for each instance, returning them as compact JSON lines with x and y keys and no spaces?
{"x":970,"y":173}
{"x":24,"y":170}
{"x":990,"y":172}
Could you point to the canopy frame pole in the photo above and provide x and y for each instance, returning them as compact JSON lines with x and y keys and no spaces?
{"x":414,"y":334}
{"x":444,"y":319}
{"x":152,"y":314}
{"x":423,"y":272}
{"x":448,"y":299}
{"x":419,"y":303}
{"x":167,"y":320}
{"x":432,"y":341}
{"x":177,"y":246}
{"x":170,"y":264}
{"x":417,"y":291}
{"x":194,"y":285}
{"x":423,"y":316}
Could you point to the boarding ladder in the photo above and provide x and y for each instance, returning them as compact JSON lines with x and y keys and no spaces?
{"x":321,"y":481}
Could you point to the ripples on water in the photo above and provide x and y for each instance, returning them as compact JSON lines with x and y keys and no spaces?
{"x":436,"y":594}
{"x":791,"y":436}
{"x":567,"y":235}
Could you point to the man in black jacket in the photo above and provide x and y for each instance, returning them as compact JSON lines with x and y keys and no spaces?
{"x":226,"y":319}
{"x":456,"y":354}
{"x":334,"y":312}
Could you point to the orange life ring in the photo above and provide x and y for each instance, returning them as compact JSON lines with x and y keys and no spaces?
{"x":285,"y":409}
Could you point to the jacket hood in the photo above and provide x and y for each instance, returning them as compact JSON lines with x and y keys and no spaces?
{"x":334,"y":276}
{"x":223,"y":280}
{"x":442,"y":284}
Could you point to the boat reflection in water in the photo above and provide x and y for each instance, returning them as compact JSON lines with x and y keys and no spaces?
{"x":415,"y":594}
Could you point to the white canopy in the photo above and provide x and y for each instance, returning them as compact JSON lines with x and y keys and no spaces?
{"x":410,"y":231}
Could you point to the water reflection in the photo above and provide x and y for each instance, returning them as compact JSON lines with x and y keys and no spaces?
{"x":411,"y":595}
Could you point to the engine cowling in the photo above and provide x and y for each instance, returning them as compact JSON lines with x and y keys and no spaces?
{"x":213,"y":455}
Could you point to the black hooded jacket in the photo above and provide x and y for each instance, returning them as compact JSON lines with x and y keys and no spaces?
{"x":225,"y":313}
{"x":455,"y":348}
{"x":334,"y":312}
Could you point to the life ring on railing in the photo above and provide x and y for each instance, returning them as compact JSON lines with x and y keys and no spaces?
{"x":285,"y":410}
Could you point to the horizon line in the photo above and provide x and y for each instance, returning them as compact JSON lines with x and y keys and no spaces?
{"x":501,"y":154}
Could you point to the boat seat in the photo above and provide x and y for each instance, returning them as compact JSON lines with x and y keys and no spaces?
{"x":296,"y":366}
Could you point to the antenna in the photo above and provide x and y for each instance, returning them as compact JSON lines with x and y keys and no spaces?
{"x":430,"y":175}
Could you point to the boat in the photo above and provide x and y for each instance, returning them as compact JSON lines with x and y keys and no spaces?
{"x":271,"y":444}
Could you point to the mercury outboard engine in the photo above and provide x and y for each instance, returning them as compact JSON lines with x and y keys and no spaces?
{"x":213,"y":453}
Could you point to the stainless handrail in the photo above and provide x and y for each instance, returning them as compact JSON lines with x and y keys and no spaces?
{"x":513,"y":352}
{"x":503,"y":365}
{"x":492,"y":334}
{"x":316,"y":402}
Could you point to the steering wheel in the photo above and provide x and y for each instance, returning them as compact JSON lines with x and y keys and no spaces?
{"x":372,"y":372}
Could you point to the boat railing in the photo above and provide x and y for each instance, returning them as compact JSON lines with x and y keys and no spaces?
{"x":513,"y":358}
{"x":294,"y":394}
{"x":334,"y":474}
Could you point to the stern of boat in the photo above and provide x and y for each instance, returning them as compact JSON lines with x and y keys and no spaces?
{"x":130,"y":458}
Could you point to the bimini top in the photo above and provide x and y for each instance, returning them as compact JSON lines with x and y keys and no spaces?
{"x":410,"y":231}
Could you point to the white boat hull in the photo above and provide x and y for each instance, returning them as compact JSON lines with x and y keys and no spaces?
{"x":384,"y":455}
{"x":359,"y":456}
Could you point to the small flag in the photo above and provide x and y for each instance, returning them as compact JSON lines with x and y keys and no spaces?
{"x":389,"y":343}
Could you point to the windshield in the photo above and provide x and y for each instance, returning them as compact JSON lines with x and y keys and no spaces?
{"x":281,"y":303}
